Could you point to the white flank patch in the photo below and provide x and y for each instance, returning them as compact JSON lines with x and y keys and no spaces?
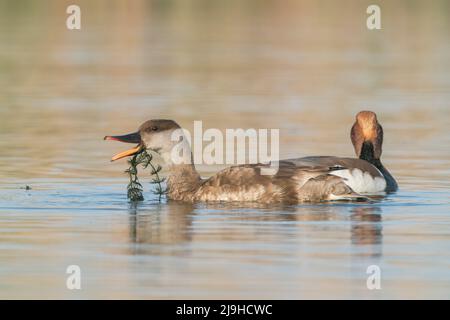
{"x":361,"y":182}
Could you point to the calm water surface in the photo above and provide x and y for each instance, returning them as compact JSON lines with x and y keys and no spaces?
{"x":303,"y":67}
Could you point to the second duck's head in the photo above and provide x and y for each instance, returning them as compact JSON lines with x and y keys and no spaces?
{"x":367,"y":136}
{"x":156,"y":135}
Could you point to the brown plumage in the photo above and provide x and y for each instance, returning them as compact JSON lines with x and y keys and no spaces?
{"x":291,"y":184}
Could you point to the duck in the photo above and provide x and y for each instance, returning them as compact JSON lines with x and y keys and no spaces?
{"x":365,"y":174}
{"x":290,"y":184}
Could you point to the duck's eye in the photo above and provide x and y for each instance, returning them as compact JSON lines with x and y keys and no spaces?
{"x":154,"y":128}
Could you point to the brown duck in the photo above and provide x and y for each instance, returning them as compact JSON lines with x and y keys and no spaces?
{"x":366,"y":174}
{"x":291,"y":184}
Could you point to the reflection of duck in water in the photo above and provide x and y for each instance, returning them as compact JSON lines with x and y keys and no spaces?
{"x":292,"y":183}
{"x":161,"y":225}
{"x":366,"y":225}
{"x":366,"y":174}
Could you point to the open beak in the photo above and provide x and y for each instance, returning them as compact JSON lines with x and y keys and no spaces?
{"x":128,"y":138}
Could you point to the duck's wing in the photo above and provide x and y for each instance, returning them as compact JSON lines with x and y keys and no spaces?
{"x":360,"y":175}
{"x":318,"y":182}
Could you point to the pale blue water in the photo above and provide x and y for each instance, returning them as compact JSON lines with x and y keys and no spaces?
{"x":218,"y":251}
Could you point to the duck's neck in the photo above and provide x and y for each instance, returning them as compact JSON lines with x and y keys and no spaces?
{"x":367,"y":153}
{"x":183,"y":179}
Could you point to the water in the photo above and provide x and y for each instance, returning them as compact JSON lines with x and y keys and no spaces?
{"x":305,"y":68}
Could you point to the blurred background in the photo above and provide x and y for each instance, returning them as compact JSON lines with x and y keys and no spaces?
{"x":304,"y":67}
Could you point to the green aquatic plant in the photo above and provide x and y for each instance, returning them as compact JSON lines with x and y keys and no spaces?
{"x":134,"y":188}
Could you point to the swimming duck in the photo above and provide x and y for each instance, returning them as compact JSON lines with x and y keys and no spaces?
{"x":291,"y":184}
{"x":366,"y":174}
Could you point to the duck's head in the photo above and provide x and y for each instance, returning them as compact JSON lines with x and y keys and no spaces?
{"x":367,"y":136}
{"x":155,"y":135}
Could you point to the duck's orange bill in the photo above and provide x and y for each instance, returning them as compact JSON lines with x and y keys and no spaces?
{"x":127,"y":153}
{"x":128,"y":138}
